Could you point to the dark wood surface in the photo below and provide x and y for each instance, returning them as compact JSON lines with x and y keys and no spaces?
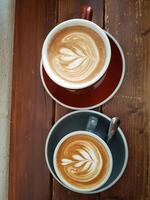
{"x":34,"y":112}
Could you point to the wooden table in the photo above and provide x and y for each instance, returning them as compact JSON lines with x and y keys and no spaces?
{"x":34,"y":112}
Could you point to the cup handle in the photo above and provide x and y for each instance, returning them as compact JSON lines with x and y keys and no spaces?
{"x":92,"y":123}
{"x":87,"y":13}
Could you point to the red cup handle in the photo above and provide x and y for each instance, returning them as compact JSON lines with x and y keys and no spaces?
{"x":87,"y":13}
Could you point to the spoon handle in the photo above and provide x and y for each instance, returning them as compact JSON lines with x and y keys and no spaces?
{"x":115,"y":122}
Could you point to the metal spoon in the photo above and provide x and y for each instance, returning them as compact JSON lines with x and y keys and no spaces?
{"x":115,"y":122}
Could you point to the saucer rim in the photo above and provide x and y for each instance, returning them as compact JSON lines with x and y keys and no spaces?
{"x":102,"y":102}
{"x":125,"y":146}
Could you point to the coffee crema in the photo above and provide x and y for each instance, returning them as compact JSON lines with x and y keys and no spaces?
{"x":76,"y":54}
{"x":82,"y":161}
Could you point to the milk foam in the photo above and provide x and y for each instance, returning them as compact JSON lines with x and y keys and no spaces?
{"x":85,"y":164}
{"x":77,"y":57}
{"x":76,"y":54}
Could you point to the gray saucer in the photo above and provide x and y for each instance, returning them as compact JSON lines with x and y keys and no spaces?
{"x":76,"y":121}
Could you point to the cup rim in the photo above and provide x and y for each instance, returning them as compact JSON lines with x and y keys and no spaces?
{"x":58,"y":80}
{"x":121,"y":134}
{"x":106,"y":148}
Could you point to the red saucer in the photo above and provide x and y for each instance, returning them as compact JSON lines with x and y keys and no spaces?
{"x":95,"y":95}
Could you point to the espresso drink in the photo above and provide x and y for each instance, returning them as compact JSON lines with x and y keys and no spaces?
{"x":76,"y":54}
{"x":82,"y":161}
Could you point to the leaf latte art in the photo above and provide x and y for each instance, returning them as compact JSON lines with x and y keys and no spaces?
{"x":85,"y":164}
{"x":76,"y":54}
{"x":82,"y":161}
{"x":76,"y":61}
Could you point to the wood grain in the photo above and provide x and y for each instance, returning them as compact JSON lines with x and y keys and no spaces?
{"x":68,"y":9}
{"x":129,"y":22}
{"x":32,"y":109}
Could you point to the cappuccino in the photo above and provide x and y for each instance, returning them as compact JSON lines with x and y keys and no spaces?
{"x":82,"y":161}
{"x":76,"y":54}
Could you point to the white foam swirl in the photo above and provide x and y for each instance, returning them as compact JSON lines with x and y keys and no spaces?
{"x":85,"y":163}
{"x":77,"y":57}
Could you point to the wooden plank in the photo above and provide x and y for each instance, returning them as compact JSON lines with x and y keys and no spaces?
{"x":68,"y":9}
{"x":129,"y":22}
{"x":32,"y":109}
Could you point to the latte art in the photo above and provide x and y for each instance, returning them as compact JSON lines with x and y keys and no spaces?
{"x":76,"y":54}
{"x":86,"y":162}
{"x":82,"y":161}
{"x":77,"y":58}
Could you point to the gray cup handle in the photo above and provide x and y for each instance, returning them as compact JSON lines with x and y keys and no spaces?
{"x":92,"y":123}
